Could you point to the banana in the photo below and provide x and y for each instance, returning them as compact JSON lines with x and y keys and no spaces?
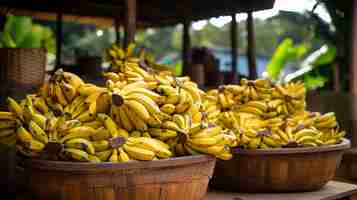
{"x":27,"y":152}
{"x":168,"y":108}
{"x":40,"y":104}
{"x":139,"y":109}
{"x":180,"y":121}
{"x":124,"y":119}
{"x":15,"y":108}
{"x":146,"y":134}
{"x":137,"y":121}
{"x":138,"y":153}
{"x":123,"y":156}
{"x":146,"y":92}
{"x":76,"y":154}
{"x":40,"y":120}
{"x":4,"y":124}
{"x":38,"y":132}
{"x":93,"y":159}
{"x":80,"y":143}
{"x":254,"y":143}
{"x":7,"y":116}
{"x":94,"y":124}
{"x":135,"y":134}
{"x":153,"y":145}
{"x":72,"y":79}
{"x":86,"y":116}
{"x":149,"y":104}
{"x":162,"y":133}
{"x":111,"y":126}
{"x":104,"y":155}
{"x":270,"y":142}
{"x":114,"y":157}
{"x":78,"y":132}
{"x":172,"y":126}
{"x":68,"y":90}
{"x":101,"y":134}
{"x":208,"y":141}
{"x":225,"y":156}
{"x":207,"y":132}
{"x":60,"y":98}
{"x":193,"y":91}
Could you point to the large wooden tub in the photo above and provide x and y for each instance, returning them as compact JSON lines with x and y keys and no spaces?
{"x":279,"y":170}
{"x":170,"y":179}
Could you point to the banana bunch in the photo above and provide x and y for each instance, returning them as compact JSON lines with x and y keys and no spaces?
{"x":8,"y":123}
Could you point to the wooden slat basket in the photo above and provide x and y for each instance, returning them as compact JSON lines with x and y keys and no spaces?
{"x":279,"y":170}
{"x":184,"y":178}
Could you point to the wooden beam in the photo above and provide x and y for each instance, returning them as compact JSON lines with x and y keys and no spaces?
{"x":130,"y":22}
{"x":59,"y":39}
{"x":117,"y":30}
{"x":252,"y":65}
{"x":234,"y":47}
{"x":186,"y":45}
{"x":353,"y":67}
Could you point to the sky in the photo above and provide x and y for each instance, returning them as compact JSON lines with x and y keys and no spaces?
{"x":286,"y":5}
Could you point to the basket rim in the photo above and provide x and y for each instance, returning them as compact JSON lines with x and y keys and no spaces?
{"x":343,"y":145}
{"x":66,"y":166}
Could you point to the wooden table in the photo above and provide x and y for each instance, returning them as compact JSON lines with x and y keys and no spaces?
{"x":334,"y":190}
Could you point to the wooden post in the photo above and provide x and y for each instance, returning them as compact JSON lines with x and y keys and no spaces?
{"x":251,"y":47}
{"x":186,"y":45}
{"x":130,"y":22}
{"x":353,"y":67}
{"x":59,"y":39}
{"x":117,"y":30}
{"x":353,"y":73}
{"x":234,"y":48}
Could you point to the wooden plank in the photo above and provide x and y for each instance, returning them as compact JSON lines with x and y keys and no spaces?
{"x":59,"y":39}
{"x":251,"y":47}
{"x":130,"y":22}
{"x":334,"y":190}
{"x":186,"y":45}
{"x":234,"y":47}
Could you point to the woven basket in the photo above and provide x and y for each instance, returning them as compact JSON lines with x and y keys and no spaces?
{"x":22,"y":70}
{"x":23,"y":67}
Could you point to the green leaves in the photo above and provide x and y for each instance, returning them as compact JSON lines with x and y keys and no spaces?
{"x":326,"y":57}
{"x":285,"y":52}
{"x":20,"y":32}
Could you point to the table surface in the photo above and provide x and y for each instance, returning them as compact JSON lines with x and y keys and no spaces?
{"x":332,"y":191}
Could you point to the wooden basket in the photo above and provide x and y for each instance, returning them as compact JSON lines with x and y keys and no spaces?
{"x":279,"y":170}
{"x":183,"y":178}
{"x":22,"y":68}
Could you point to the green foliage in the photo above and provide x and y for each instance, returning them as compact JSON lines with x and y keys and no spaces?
{"x":21,"y":32}
{"x":326,"y":57}
{"x":285,"y":52}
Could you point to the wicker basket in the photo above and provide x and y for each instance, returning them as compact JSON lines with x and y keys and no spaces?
{"x":22,"y":69}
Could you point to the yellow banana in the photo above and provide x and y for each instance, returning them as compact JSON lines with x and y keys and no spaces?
{"x":139,"y":153}
{"x":15,"y":108}
{"x":114,"y":157}
{"x":122,"y":155}
{"x":124,"y":119}
{"x":80,"y":143}
{"x":38,"y":132}
{"x":139,"y":109}
{"x":78,"y":132}
{"x":76,"y":154}
{"x":104,"y":155}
